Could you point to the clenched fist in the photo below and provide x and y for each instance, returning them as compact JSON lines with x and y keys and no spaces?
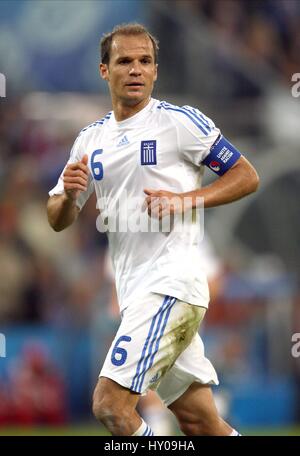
{"x":161,"y":203}
{"x":76,"y":178}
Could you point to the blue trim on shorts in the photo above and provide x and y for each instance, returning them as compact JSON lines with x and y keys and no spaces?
{"x":135,"y":378}
{"x":147,"y":360}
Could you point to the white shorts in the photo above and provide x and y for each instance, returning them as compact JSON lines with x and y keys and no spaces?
{"x":157,"y":346}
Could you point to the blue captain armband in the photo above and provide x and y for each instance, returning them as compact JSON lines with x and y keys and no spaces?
{"x":222,"y":156}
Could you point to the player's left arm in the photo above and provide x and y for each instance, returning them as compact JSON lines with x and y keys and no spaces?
{"x":200,"y":142}
{"x":237,"y":182}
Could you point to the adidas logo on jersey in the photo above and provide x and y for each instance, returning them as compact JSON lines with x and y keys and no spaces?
{"x":123,"y":141}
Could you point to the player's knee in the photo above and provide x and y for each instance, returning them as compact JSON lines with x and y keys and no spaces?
{"x":104,"y":411}
{"x":107,"y":411}
{"x":98,"y":408}
{"x":115,"y":418}
{"x":102,"y":406}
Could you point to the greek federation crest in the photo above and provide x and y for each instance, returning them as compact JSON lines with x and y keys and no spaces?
{"x":148,"y":152}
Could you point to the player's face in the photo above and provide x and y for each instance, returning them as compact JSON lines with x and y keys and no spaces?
{"x":131,"y":71}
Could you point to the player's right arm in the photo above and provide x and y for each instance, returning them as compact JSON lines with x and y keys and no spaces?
{"x":63,"y":209}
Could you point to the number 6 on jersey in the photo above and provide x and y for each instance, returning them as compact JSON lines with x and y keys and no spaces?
{"x":97,"y":167}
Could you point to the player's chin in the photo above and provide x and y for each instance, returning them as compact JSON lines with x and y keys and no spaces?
{"x":135,"y":97}
{"x":135,"y":93}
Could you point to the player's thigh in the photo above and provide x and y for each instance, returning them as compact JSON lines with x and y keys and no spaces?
{"x":154,"y":331}
{"x":195,"y":403}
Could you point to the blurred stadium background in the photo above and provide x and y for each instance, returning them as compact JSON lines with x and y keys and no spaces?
{"x":234,"y":59}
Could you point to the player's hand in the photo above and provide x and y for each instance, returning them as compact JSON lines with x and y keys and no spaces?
{"x":76,"y":178}
{"x":161,"y":203}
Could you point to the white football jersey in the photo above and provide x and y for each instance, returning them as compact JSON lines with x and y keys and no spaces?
{"x":162,"y":148}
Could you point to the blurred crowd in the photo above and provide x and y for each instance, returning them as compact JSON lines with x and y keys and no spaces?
{"x":45,"y":276}
{"x":226,"y":51}
{"x":34,"y":391}
{"x":266,"y":30}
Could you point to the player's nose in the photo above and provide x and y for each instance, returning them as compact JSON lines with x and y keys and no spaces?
{"x":135,"y":69}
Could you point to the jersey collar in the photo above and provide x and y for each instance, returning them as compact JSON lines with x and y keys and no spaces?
{"x":138,"y":117}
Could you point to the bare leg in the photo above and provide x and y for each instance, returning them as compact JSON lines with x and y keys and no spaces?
{"x":114,"y":406}
{"x":196,"y":412}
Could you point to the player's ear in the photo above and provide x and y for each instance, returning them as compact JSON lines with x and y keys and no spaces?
{"x":103,"y":68}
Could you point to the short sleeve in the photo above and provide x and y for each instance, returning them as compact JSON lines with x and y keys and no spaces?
{"x":76,"y":154}
{"x":196,"y":134}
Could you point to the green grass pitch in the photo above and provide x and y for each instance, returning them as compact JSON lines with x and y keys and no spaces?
{"x":94,"y":430}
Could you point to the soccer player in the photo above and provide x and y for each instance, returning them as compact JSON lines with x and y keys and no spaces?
{"x":155,"y":150}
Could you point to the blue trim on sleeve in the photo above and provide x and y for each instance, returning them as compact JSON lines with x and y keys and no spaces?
{"x":222,"y":156}
{"x":98,"y":122}
{"x":199,"y":116}
{"x":193,"y":116}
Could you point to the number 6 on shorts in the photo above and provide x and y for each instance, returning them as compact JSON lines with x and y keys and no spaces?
{"x":118,"y":361}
